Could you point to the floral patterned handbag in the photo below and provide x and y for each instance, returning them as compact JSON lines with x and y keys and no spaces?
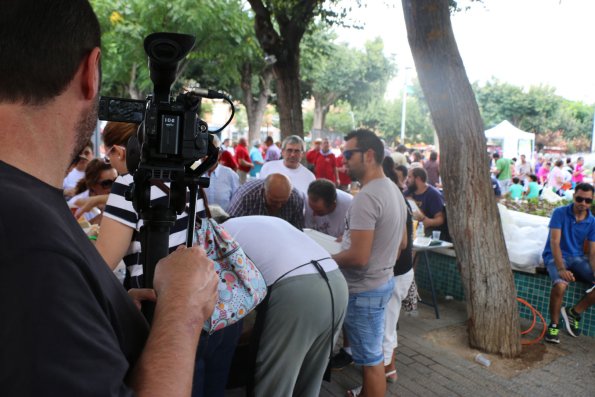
{"x":241,"y":286}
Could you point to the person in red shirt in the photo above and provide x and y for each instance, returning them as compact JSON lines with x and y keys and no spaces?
{"x":324,"y":161}
{"x":344,"y":179}
{"x":243,"y":160}
{"x":228,"y":160}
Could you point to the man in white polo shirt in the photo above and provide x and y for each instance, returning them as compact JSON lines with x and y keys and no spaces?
{"x":295,"y":343}
{"x":290,"y":165}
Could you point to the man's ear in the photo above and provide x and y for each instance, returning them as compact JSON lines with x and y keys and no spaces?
{"x":90,"y":78}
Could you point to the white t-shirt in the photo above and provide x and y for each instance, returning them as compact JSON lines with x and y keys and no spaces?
{"x":277,"y":247}
{"x":87,"y":215}
{"x":73,"y":177}
{"x":332,"y":224}
{"x":300,"y":177}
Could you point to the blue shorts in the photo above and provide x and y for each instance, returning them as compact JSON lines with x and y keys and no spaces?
{"x":364,"y":324}
{"x":578,"y":265}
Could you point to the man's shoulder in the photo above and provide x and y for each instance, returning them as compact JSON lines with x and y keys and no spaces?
{"x":343,"y":196}
{"x":224,"y":170}
{"x":296,"y":196}
{"x":252,"y":186}
{"x":430,"y":193}
{"x":562,"y":212}
{"x":273,"y":165}
{"x":304,"y":171}
{"x":377,"y":188}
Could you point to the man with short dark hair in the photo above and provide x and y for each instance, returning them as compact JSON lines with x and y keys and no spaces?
{"x":273,"y":196}
{"x":524,"y":169}
{"x":432,"y":168}
{"x":272,"y":151}
{"x":503,"y":172}
{"x":326,"y":208}
{"x":74,"y":330}
{"x":565,"y":261}
{"x":429,"y":200}
{"x":290,"y":165}
{"x":374,"y":234}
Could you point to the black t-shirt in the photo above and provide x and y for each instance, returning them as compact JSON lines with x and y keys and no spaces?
{"x":67,"y":326}
{"x":404,"y":262}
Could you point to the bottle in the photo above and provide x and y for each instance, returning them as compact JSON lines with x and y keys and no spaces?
{"x":420,"y":230}
{"x":483,"y":360}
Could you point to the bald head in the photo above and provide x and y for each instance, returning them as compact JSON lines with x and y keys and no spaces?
{"x":277,"y":189}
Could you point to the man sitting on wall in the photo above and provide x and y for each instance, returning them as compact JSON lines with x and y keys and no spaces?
{"x":566,"y":261}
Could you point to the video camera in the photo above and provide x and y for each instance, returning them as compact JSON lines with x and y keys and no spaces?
{"x":171,"y":136}
{"x":173,"y":145}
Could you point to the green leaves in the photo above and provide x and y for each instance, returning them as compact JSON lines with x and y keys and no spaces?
{"x":224,"y":40}
{"x":538,"y":110}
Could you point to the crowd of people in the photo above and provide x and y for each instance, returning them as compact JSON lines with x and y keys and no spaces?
{"x":526,"y":179}
{"x":77,"y":331}
{"x":569,"y":252}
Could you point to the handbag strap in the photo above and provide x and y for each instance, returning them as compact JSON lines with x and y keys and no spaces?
{"x":205,"y":202}
{"x":262,"y":310}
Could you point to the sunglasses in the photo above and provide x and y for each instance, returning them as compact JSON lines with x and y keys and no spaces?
{"x":106,"y":183}
{"x":581,"y":199}
{"x":111,"y":150}
{"x":348,"y":153}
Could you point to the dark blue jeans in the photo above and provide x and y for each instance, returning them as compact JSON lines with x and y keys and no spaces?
{"x":213,"y":360}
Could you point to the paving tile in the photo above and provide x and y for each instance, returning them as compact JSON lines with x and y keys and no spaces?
{"x":427,"y":370}
{"x":423,"y":359}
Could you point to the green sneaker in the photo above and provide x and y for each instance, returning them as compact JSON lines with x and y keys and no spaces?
{"x":572,"y":321}
{"x":552,"y":334}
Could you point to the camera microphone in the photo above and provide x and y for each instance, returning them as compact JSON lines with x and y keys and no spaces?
{"x":210,"y":94}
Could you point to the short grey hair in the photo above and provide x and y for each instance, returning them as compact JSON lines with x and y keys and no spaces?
{"x":293,"y":140}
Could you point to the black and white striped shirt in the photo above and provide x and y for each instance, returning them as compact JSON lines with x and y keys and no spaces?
{"x":122,"y":211}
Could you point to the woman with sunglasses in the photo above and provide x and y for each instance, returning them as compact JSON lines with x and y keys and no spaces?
{"x":98,"y":180}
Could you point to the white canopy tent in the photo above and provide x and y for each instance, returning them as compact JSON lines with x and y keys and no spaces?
{"x":512,"y":140}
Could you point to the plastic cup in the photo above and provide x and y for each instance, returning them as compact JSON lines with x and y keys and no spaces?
{"x":436,"y":235}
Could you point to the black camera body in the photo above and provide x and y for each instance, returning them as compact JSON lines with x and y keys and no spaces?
{"x":171,"y":136}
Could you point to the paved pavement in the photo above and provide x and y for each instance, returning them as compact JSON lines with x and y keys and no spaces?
{"x":425,"y":369}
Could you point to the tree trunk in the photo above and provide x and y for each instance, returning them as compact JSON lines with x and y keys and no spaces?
{"x":473,"y":218}
{"x":255,"y":107}
{"x":292,"y":22}
{"x":289,"y":94}
{"x":320,"y":112}
{"x":133,"y":90}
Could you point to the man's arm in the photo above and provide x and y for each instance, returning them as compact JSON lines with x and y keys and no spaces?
{"x":436,"y":221}
{"x":592,"y":255}
{"x":186,"y":288}
{"x":555,"y":237}
{"x":358,"y":254}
